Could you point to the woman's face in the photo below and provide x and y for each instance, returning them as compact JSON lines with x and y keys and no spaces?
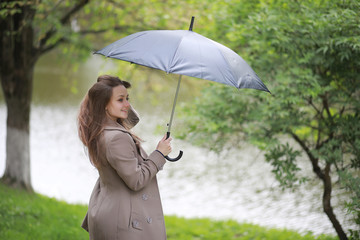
{"x":118,"y":105}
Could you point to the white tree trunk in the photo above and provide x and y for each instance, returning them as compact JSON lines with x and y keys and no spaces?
{"x":17,"y":172}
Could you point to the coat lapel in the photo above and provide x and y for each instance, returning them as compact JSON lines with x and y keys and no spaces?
{"x":112,"y":125}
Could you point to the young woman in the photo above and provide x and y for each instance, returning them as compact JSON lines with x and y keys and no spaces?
{"x":125,"y":203}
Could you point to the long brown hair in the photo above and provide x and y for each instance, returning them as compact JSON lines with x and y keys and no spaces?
{"x":92,"y":114}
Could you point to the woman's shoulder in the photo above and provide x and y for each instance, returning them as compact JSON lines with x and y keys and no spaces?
{"x":116,"y":140}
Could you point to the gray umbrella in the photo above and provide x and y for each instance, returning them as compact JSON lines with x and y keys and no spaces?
{"x":185,"y":52}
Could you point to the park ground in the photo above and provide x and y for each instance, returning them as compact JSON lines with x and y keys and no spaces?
{"x":33,"y":216}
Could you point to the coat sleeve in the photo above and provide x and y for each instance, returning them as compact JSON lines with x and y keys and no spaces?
{"x":122,"y":156}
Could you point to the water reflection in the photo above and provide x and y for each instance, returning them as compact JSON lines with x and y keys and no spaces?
{"x":236,"y":185}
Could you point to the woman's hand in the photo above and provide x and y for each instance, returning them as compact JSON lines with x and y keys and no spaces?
{"x":164,"y":146}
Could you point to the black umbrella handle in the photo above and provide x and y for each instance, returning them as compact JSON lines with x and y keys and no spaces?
{"x":173,"y":159}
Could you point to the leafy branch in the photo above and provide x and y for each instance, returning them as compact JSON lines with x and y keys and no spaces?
{"x":65,"y":19}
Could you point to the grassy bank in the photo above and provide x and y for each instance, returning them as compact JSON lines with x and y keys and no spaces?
{"x":33,"y":216}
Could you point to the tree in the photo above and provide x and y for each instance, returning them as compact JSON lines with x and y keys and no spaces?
{"x":31,"y":28}
{"x":308,"y":53}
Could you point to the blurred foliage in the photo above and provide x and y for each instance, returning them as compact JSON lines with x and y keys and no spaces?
{"x":97,"y":24}
{"x":283,"y":159}
{"x":102,"y":22}
{"x":308,"y":54}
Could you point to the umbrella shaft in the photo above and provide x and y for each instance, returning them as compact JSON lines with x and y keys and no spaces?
{"x":174,"y":104}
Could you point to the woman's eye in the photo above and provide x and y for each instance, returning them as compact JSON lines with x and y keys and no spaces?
{"x":122,"y":99}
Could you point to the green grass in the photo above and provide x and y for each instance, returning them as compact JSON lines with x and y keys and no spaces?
{"x":33,"y":216}
{"x":181,"y":228}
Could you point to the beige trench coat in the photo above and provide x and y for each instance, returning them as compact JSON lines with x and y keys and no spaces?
{"x":125,"y":203}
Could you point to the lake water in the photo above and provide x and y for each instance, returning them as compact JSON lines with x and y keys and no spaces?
{"x":234,"y":185}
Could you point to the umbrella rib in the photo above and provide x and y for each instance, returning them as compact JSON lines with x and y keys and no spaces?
{"x":175,"y":52}
{"x":124,"y":43}
{"x":231,"y":71}
{"x":201,"y":67}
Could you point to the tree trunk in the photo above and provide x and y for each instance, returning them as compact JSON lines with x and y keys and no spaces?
{"x":324,"y":175}
{"x":18,"y":55}
{"x":17,"y":62}
{"x":17,"y":172}
{"x":327,"y":204}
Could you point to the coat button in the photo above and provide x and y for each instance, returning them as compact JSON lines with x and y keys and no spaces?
{"x":135,"y":224}
{"x":149,"y":220}
{"x":145,"y":197}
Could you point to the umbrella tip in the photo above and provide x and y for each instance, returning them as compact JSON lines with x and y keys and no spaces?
{"x":192,"y":23}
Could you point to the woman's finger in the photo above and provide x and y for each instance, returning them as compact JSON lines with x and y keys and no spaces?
{"x":164,"y":138}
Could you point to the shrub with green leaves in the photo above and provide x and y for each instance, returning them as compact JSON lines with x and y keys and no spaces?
{"x":308,"y":54}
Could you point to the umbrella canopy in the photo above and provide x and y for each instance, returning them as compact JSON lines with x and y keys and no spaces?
{"x":187,"y":53}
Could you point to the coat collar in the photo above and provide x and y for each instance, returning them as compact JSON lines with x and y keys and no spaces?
{"x":112,"y":125}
